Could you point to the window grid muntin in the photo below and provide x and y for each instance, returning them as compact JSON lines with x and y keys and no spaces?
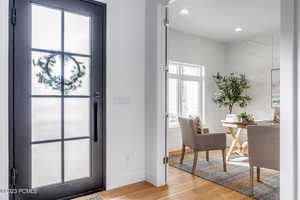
{"x":60,"y":52}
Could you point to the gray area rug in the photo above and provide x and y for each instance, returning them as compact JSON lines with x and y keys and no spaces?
{"x":236,"y":178}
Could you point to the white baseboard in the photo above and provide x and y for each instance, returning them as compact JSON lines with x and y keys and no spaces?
{"x":125,"y":179}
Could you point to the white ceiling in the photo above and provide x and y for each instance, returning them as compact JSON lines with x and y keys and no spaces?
{"x":217,"y":19}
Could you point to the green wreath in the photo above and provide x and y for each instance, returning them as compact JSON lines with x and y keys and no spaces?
{"x":46,"y":76}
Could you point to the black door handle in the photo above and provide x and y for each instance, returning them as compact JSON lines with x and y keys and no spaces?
{"x":95,"y":121}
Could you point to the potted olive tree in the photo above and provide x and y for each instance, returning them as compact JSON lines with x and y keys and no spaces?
{"x":231,"y":91}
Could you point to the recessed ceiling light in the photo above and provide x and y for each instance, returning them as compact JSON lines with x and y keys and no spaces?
{"x":184,"y":11}
{"x":238,"y":29}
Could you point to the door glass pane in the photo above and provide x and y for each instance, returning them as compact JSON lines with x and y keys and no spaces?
{"x":77,"y":159}
{"x":46,"y":74}
{"x":77,"y":117}
{"x":46,"y":28}
{"x":46,"y":164}
{"x":190,"y":98}
{"x":77,"y":33}
{"x":46,"y":119}
{"x":77,"y":75}
{"x":173,"y":102}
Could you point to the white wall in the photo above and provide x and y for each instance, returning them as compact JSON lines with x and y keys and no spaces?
{"x":174,"y":139}
{"x":255,"y":58}
{"x":125,"y":80}
{"x":3,"y":97}
{"x":155,"y":136}
{"x":290,"y":113}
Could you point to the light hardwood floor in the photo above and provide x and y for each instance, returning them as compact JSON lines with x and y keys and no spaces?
{"x":181,"y":186}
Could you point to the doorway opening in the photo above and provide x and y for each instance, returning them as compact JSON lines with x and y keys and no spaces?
{"x":235,"y":47}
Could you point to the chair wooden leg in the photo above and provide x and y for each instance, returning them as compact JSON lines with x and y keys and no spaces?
{"x":224,"y":160}
{"x":258,"y":174}
{"x":195,"y":162}
{"x":207,"y":156}
{"x":182,"y":154}
{"x":252,"y":180}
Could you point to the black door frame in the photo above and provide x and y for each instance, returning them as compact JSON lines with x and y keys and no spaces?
{"x":11,"y":172}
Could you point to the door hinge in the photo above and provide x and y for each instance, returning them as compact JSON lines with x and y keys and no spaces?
{"x":167,"y":115}
{"x":165,"y":68}
{"x":166,"y":160}
{"x":13,"y":177}
{"x":166,"y":22}
{"x":13,"y":16}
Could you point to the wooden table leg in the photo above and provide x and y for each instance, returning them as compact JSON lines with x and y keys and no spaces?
{"x":234,"y":136}
{"x":245,"y":148}
{"x":234,"y":143}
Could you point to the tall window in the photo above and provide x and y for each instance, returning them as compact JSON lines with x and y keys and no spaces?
{"x":186,"y":91}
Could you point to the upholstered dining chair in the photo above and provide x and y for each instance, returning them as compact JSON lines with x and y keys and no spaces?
{"x":264,"y":149}
{"x":200,"y":142}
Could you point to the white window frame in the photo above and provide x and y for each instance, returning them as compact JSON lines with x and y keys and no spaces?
{"x":181,"y":77}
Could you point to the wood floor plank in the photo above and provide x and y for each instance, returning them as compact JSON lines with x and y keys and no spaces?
{"x":181,"y":186}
